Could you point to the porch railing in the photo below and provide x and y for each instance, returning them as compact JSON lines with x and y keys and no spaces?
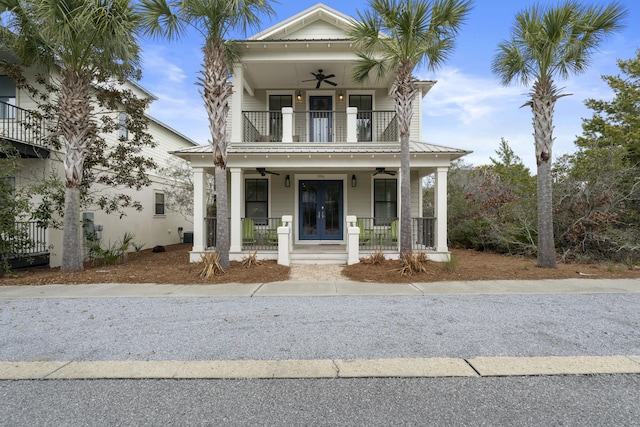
{"x":386,"y":237}
{"x":211,"y":230}
{"x":260,"y":233}
{"x":18,"y":124}
{"x":25,"y":239}
{"x":320,"y":126}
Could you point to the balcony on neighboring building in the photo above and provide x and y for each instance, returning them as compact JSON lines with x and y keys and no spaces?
{"x":24,"y":129}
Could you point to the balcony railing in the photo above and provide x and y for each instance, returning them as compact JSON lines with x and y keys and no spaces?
{"x":319,"y":126}
{"x":18,"y":124}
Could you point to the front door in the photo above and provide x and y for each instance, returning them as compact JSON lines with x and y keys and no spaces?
{"x":320,"y":210}
{"x":320,"y":118}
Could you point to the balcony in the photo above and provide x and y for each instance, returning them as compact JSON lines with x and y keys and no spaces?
{"x":348,"y":125}
{"x":24,"y":129}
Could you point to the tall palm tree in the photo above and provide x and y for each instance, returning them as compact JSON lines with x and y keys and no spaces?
{"x":545,"y":44}
{"x":214,"y":20}
{"x":88,"y":41}
{"x":393,"y":38}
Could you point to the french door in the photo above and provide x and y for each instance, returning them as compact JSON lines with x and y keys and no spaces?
{"x":320,"y":210}
{"x":320,"y":118}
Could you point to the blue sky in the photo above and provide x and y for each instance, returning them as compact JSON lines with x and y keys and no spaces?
{"x":467,"y":108}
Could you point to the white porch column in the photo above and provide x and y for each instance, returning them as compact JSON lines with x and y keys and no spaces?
{"x":199,"y":208}
{"x":441,"y":210}
{"x":235,"y":228}
{"x":352,"y":124}
{"x":353,"y":241}
{"x":287,"y":124}
{"x":235,"y":113}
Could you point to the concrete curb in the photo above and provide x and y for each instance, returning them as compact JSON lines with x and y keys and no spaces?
{"x":321,"y":368}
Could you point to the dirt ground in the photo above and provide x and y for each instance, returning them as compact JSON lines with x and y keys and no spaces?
{"x":173,"y":266}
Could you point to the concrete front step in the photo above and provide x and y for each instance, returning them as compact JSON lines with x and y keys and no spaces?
{"x":318,"y":258}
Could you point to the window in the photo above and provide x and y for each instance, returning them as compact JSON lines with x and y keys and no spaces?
{"x":159,"y":203}
{"x":123,"y":132}
{"x":364,"y":104}
{"x":256,"y":200}
{"x":385,"y":205}
{"x":276,"y":104}
{"x":7,"y":98}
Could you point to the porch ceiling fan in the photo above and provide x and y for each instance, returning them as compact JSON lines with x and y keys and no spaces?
{"x":320,"y":77}
{"x":383,"y":171}
{"x":263,"y":172}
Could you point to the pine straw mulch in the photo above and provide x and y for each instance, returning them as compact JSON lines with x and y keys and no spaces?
{"x":173,"y":267}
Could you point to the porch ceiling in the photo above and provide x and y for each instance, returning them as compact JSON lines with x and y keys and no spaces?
{"x":285,"y":64}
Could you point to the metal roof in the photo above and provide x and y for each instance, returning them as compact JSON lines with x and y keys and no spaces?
{"x":311,"y":147}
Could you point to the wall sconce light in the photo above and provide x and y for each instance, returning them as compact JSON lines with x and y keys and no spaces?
{"x":341,"y":96}
{"x":299,"y":96}
{"x":287,"y":181}
{"x":353,"y":180}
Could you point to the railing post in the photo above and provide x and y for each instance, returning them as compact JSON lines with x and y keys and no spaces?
{"x":287,"y":124}
{"x":284,"y":240}
{"x":353,"y":236}
{"x":352,"y":124}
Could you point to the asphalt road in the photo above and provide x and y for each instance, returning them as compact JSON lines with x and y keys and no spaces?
{"x":319,"y":327}
{"x":322,"y":327}
{"x":601,"y":400}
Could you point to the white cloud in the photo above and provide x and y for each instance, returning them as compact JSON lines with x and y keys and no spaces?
{"x":158,"y":66}
{"x":469,"y":98}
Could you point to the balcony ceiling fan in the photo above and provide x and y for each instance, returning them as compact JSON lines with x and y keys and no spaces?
{"x":263,"y":172}
{"x":384,"y":172}
{"x":320,"y":77}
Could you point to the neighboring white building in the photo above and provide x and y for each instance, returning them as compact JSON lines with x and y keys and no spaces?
{"x":154,"y":225}
{"x":312,"y":155}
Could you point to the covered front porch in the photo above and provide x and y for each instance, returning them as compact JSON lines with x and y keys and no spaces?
{"x":285,"y":200}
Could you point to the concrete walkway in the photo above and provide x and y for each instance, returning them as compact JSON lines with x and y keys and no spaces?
{"x":323,"y":368}
{"x":325,"y":288}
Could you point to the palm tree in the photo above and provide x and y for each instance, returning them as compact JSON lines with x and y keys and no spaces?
{"x":88,"y":41}
{"x":545,"y":44}
{"x":394,"y":37}
{"x":214,"y":20}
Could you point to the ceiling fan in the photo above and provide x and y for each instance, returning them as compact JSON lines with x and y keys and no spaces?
{"x":263,"y":172}
{"x":383,"y":171}
{"x":320,"y":77}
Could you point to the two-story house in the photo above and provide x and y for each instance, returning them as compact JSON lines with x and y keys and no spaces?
{"x":154,"y":225}
{"x":312,"y":155}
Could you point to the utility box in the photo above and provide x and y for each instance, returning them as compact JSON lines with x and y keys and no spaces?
{"x":188,"y":237}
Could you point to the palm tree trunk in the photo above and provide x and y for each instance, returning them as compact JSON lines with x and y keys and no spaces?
{"x":216,"y":94}
{"x":405,"y":92}
{"x":77,"y":129}
{"x":542,"y":104}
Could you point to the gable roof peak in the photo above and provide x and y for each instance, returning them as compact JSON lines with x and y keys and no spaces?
{"x":319,"y":11}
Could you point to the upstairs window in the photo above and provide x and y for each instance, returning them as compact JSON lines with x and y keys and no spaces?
{"x":7,"y":98}
{"x":123,"y":132}
{"x":364,"y":104}
{"x":276,"y":104}
{"x":385,"y":207}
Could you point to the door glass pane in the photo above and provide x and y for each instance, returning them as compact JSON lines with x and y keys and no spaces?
{"x":332,"y":210}
{"x":308,"y":208}
{"x":321,"y":118}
